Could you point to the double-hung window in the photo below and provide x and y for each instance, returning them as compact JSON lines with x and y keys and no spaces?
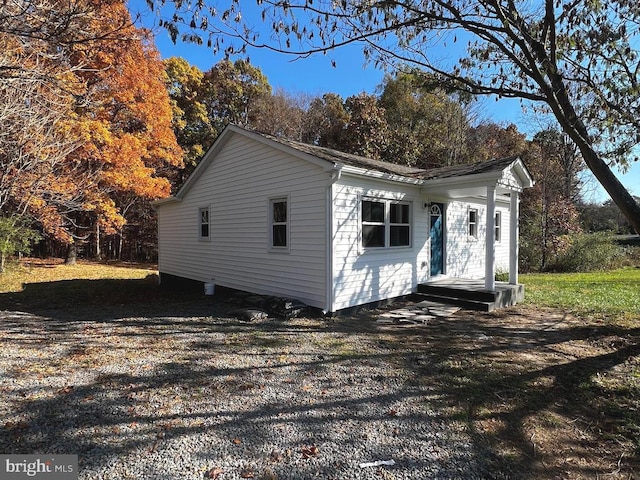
{"x":204,"y":224}
{"x":473,"y":222}
{"x":385,"y":223}
{"x":279,"y":223}
{"x":498,"y":230}
{"x":399,"y":225}
{"x":373,"y":223}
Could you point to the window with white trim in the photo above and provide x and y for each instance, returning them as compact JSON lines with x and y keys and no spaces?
{"x":385,"y":223}
{"x":498,"y":229}
{"x":279,"y":223}
{"x":204,"y":224}
{"x":399,"y":225}
{"x":473,"y":222}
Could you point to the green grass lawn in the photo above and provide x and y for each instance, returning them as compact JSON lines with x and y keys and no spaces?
{"x":611,"y":294}
{"x":51,"y":284}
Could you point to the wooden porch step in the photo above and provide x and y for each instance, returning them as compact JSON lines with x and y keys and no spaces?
{"x":460,"y":302}
{"x":472,"y":294}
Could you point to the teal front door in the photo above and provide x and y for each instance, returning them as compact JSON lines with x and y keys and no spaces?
{"x":436,"y":214}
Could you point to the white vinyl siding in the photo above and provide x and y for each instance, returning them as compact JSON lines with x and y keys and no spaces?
{"x":364,"y":275}
{"x":466,"y":254}
{"x":238,"y":185}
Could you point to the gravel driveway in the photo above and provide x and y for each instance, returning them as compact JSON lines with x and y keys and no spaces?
{"x":189,"y":393}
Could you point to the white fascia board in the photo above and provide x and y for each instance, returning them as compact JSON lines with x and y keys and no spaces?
{"x":162,"y":201}
{"x":382,"y":176}
{"x":523,"y":173}
{"x":231,"y":130}
{"x":475,"y":180}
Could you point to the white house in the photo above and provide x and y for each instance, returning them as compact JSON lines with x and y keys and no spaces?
{"x":333,"y":230}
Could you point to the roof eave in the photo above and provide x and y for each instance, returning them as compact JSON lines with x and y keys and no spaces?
{"x":164,"y":201}
{"x":523,"y":172}
{"x":382,"y":176}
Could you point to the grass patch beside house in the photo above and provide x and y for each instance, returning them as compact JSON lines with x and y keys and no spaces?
{"x":614,"y":295}
{"x":37,"y":283}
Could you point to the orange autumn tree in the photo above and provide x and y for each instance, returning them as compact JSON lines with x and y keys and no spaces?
{"x":129,"y":142}
{"x":85,"y":118}
{"x":38,"y":91}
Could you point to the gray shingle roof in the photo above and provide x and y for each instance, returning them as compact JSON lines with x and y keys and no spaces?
{"x":495,"y":165}
{"x":336,"y":156}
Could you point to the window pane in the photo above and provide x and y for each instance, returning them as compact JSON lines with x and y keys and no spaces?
{"x":473,"y":223}
{"x":399,"y":236}
{"x":279,"y":235}
{"x":399,"y":213}
{"x":204,"y":222}
{"x":373,"y":235}
{"x":279,"y":211}
{"x":372,"y":211}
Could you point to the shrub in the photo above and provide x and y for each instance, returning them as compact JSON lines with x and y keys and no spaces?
{"x":16,"y":236}
{"x":587,"y":253}
{"x":502,"y":274}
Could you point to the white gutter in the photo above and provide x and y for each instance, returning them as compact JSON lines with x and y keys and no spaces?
{"x":162,"y":201}
{"x":385,"y":177}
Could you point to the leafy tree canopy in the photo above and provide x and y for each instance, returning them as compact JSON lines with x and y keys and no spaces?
{"x":577,"y":59}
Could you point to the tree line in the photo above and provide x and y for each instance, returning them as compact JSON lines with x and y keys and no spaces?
{"x":95,"y":127}
{"x":85,"y":118}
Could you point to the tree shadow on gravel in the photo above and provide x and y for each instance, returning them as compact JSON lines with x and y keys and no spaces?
{"x":120,"y":378}
{"x":295,"y":399}
{"x":70,"y":297}
{"x":550,"y":397}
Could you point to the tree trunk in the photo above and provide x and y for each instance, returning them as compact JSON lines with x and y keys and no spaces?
{"x":119,"y":245}
{"x":574,"y":127}
{"x":72,"y":254}
{"x":618,"y":193}
{"x":98,"y":251}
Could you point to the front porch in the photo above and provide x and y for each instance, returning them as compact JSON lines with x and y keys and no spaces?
{"x":471,"y":294}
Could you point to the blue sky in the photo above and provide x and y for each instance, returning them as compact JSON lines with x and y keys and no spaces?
{"x":315,"y":75}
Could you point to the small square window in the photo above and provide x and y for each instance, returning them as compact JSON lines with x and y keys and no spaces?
{"x":372,"y":212}
{"x":204,"y":223}
{"x":473,"y":222}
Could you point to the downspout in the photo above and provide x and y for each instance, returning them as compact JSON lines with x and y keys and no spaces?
{"x":336,"y":173}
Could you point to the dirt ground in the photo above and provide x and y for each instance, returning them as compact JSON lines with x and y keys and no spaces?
{"x":551,"y":395}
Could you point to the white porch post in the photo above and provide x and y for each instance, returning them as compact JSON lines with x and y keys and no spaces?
{"x":490,"y":245}
{"x":513,"y":237}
